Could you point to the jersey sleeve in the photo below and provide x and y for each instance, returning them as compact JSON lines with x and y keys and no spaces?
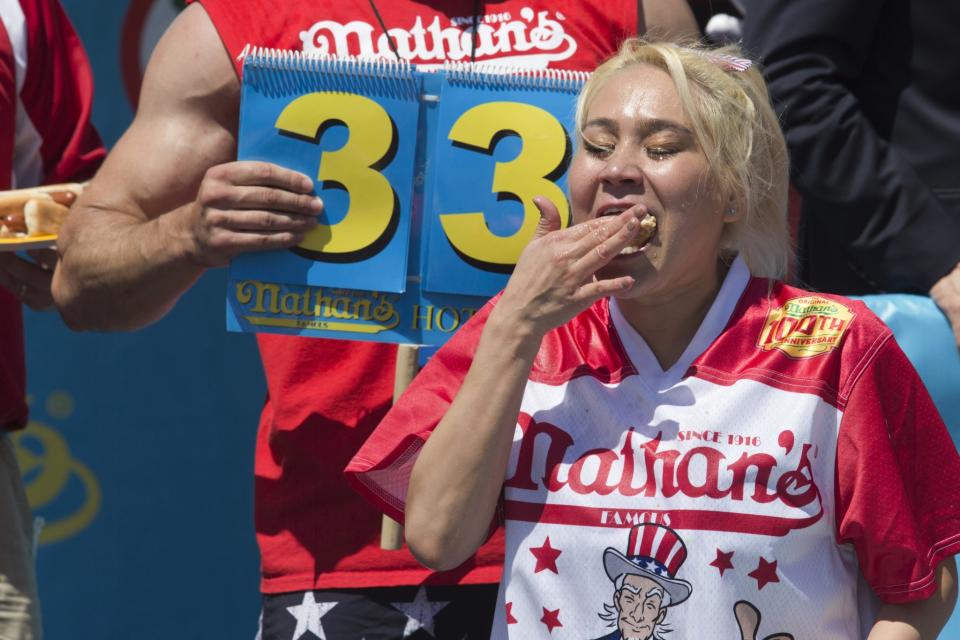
{"x":58,"y":95}
{"x":381,"y":469}
{"x":898,"y":493}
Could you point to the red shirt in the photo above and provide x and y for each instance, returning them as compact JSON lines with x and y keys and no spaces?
{"x":325,"y":397}
{"x":55,"y":142}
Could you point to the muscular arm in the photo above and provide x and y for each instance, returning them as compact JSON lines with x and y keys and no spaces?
{"x":922,"y":619}
{"x":127,"y":250}
{"x":168,"y":203}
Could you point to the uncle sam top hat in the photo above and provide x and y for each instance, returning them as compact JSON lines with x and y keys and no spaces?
{"x":655,"y":552}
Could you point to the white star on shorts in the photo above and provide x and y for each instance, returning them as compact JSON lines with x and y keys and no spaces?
{"x":308,"y":614}
{"x":419,"y":613}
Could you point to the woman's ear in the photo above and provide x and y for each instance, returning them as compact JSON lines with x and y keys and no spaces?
{"x":734,"y":209}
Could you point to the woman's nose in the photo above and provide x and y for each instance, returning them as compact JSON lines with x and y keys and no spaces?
{"x":621,"y":168}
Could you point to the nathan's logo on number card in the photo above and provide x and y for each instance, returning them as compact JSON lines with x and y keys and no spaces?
{"x":266,"y":304}
{"x":805,"y":327}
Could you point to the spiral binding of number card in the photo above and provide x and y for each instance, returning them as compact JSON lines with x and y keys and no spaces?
{"x":497,"y":77}
{"x":278,"y":72}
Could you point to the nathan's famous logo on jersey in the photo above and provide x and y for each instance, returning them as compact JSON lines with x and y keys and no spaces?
{"x":740,"y":488}
{"x":60,"y":489}
{"x":529,"y":39}
{"x":805,"y":327}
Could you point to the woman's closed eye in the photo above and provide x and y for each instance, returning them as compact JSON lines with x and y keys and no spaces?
{"x":597,"y":149}
{"x":661,"y":153}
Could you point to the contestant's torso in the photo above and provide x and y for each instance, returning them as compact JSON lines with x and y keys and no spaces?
{"x":718,"y":476}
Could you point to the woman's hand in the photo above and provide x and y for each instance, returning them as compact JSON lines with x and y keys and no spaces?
{"x":554,"y":278}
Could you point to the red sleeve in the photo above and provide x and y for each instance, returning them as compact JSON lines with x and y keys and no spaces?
{"x":898,"y":493}
{"x":58,"y":95}
{"x":381,"y":469}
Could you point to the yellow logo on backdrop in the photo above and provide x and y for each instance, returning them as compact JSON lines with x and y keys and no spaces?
{"x":51,"y":475}
{"x":805,"y":327}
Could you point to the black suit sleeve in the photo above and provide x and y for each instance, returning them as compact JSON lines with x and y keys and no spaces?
{"x":895,"y":230}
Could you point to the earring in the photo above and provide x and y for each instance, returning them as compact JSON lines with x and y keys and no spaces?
{"x":732,"y":212}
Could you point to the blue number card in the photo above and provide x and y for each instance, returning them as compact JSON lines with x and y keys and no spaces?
{"x":427,"y":178}
{"x":352,"y":126}
{"x":503,"y":140}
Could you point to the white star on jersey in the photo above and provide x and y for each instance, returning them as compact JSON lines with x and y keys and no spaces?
{"x":419,"y":613}
{"x":308,"y":614}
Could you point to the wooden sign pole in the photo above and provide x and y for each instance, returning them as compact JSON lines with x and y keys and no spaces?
{"x":391,"y":531}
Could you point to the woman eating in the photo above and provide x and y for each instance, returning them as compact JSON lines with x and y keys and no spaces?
{"x":676,"y":441}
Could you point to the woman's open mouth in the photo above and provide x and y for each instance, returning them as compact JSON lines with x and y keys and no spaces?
{"x":648,"y":227}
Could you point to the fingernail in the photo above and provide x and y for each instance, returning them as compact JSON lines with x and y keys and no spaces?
{"x":632,"y":224}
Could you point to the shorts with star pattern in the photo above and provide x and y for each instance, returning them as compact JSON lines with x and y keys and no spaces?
{"x":387,"y":613}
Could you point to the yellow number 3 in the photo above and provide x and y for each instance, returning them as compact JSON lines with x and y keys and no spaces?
{"x":355,"y":167}
{"x":525,"y":177}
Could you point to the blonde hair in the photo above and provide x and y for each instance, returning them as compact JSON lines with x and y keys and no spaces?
{"x":738,"y":131}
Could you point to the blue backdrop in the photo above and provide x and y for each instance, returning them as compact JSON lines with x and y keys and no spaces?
{"x":140,"y":453}
{"x":139,"y":456}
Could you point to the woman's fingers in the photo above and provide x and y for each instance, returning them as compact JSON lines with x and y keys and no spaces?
{"x":604,"y":242}
{"x":593,"y":291}
{"x":549,"y":217}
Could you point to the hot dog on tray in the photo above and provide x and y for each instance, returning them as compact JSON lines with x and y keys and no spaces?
{"x":36,"y":211}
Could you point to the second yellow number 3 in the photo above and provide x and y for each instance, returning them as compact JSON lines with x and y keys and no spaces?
{"x":525,"y":177}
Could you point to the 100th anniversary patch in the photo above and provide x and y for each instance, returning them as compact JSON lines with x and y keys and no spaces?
{"x":805,"y":327}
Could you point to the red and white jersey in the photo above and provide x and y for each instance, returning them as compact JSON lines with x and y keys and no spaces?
{"x":53,"y":139}
{"x":790,"y":451}
{"x":46,"y":92}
